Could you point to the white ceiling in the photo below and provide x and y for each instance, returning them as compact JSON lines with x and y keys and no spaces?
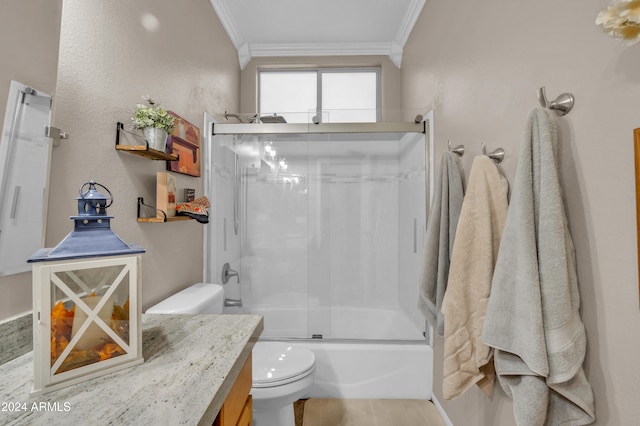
{"x":318,"y":27}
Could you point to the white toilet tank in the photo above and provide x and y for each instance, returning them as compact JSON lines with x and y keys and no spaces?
{"x":201,"y":298}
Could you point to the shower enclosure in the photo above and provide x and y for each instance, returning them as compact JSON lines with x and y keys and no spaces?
{"x":324,"y":224}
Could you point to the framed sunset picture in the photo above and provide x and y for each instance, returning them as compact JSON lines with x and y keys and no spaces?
{"x":184,"y":141}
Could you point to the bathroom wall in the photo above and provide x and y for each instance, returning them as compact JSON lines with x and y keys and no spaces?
{"x":111,"y":54}
{"x":32,"y":61}
{"x":478,"y":65}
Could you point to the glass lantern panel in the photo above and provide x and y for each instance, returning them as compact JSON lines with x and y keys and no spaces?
{"x":89,"y":316}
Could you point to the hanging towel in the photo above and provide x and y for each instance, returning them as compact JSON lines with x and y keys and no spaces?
{"x":467,"y":360}
{"x":441,"y":231}
{"x":532,"y":317}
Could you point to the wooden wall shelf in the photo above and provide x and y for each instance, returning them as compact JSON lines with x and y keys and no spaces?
{"x":162,"y":220}
{"x":147,"y":152}
{"x":141,"y":150}
{"x":152,"y":154}
{"x":157,"y":219}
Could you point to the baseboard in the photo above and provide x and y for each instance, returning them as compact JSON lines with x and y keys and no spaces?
{"x":441,"y":411}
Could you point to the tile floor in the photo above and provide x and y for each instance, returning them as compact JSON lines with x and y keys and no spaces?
{"x":366,"y":412}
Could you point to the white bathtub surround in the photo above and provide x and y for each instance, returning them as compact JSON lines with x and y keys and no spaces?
{"x":341,"y":229}
{"x":339,"y":322}
{"x":441,"y":233}
{"x":191,"y":362}
{"x":467,"y":360}
{"x":533,"y":317}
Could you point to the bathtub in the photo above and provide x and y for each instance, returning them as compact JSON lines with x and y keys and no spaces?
{"x":389,"y":359}
{"x":371,"y":370}
{"x":337,"y":323}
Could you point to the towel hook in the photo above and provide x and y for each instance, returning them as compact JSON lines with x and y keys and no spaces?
{"x":496,"y":155}
{"x":562,"y":104}
{"x":457,"y":150}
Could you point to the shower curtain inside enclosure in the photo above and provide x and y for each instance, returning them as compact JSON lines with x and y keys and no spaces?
{"x":330,"y":231}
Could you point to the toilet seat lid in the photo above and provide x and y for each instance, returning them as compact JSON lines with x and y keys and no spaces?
{"x":277,"y":361}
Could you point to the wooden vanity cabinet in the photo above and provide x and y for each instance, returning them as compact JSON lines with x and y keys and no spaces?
{"x":236,"y":410}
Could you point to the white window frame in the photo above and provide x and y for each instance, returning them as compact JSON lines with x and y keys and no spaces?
{"x":319,"y":71}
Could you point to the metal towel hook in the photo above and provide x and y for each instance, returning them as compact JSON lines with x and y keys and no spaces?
{"x":497,"y":155}
{"x":457,"y":150}
{"x":561,"y":105}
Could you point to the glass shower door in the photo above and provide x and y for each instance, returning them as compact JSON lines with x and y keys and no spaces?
{"x":275,"y":247}
{"x":366,"y":215}
{"x":331,"y":231}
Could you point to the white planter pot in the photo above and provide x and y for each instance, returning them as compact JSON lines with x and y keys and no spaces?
{"x":156,"y":138}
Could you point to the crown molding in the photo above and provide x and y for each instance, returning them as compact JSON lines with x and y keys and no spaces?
{"x":226,"y":18}
{"x":244,"y":55}
{"x":322,"y":49}
{"x":319,"y":49}
{"x":395,"y":53}
{"x":413,"y":12}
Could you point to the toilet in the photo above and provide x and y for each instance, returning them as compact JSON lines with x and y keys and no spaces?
{"x":282,"y":372}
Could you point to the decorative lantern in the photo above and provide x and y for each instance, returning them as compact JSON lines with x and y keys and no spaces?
{"x":86,"y":300}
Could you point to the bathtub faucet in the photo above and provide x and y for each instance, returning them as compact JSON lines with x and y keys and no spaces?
{"x":227,"y":273}
{"x":233,"y":303}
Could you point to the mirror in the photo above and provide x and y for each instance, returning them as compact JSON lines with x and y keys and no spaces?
{"x":25,"y":152}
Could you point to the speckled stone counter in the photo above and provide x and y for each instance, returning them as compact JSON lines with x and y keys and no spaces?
{"x":16,"y":337}
{"x":190,"y":364}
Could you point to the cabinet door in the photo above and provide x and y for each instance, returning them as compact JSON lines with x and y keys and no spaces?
{"x":235,"y":404}
{"x":246,"y":417}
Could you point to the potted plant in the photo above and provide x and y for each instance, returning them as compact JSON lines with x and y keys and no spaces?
{"x":155,"y":122}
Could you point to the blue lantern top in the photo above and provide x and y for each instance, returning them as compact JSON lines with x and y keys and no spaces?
{"x":92,"y":235}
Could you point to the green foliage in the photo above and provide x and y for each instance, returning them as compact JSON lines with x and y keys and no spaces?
{"x":153,"y":116}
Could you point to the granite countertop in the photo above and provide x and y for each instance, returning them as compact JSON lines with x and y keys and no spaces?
{"x":190,"y":364}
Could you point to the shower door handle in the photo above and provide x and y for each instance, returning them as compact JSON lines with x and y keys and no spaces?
{"x":14,"y":205}
{"x":236,"y":194}
{"x":415,"y":235}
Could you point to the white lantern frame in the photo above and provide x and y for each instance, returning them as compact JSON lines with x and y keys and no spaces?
{"x":44,"y":277}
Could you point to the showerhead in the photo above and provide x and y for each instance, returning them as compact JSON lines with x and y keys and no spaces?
{"x":272,"y":119}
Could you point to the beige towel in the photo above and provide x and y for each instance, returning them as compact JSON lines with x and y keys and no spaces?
{"x":441,"y":231}
{"x":533,"y":318}
{"x":467,"y":360}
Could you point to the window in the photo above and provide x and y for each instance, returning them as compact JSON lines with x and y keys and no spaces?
{"x":326,"y":95}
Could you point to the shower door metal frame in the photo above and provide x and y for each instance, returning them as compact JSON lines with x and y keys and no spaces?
{"x":303,"y":128}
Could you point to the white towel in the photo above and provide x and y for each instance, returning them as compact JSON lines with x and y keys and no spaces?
{"x":467,"y":360}
{"x":532,"y":318}
{"x":441,"y":231}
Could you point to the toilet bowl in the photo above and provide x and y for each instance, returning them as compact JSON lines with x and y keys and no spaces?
{"x":282,"y":372}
